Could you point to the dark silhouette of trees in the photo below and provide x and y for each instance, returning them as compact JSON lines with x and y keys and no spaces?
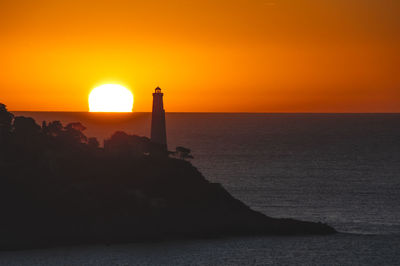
{"x":53,"y":128}
{"x":5,"y":117}
{"x":73,"y":133}
{"x":93,"y":143}
{"x":26,"y":126}
{"x":54,"y":138}
{"x":127,"y":145}
{"x":26,"y":136}
{"x":183,"y":153}
{"x":5,"y":122}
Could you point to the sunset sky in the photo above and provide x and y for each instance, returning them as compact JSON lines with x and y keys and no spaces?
{"x":207,"y":56}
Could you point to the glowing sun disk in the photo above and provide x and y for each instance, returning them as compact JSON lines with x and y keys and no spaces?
{"x":110,"y":98}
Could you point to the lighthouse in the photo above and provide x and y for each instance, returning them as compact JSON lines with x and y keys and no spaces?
{"x":158,"y":130}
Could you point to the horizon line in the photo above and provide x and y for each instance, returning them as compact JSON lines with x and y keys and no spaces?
{"x":211,"y":112}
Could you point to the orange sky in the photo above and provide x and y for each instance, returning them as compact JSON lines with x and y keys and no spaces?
{"x":207,"y":56}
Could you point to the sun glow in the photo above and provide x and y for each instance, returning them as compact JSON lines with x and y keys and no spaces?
{"x":110,"y":98}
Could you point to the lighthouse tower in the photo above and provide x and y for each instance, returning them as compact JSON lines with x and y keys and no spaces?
{"x":158,"y":130}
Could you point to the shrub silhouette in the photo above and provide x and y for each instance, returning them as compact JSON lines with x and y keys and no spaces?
{"x":5,"y":117}
{"x":5,"y":123}
{"x":183,"y":153}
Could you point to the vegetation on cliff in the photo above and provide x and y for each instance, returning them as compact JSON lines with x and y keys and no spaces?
{"x":58,"y":186}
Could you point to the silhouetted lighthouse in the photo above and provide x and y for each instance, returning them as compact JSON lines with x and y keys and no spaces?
{"x":158,"y":130}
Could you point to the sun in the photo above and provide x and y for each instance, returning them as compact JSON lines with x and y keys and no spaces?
{"x":110,"y":98}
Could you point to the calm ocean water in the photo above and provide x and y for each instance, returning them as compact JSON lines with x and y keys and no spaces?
{"x":342,"y":169}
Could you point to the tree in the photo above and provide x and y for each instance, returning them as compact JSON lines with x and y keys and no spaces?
{"x":26,"y":135}
{"x":183,"y":153}
{"x":123,"y":143}
{"x":74,"y":131}
{"x":54,"y":128}
{"x":93,"y":143}
{"x":26,"y":126}
{"x":76,"y":126}
{"x":5,"y":126}
{"x":5,"y":118}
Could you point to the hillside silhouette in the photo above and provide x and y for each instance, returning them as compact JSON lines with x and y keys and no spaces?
{"x":57,"y":186}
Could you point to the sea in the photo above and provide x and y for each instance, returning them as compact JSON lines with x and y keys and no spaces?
{"x":340,"y":169}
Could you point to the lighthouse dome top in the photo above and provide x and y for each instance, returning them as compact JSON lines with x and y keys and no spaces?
{"x":158,"y":90}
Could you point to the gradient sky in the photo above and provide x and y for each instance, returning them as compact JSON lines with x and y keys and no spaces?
{"x":208,"y":55}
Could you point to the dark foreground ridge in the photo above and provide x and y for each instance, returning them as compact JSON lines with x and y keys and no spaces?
{"x":59,"y":187}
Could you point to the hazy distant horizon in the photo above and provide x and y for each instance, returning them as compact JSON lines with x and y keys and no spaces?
{"x":24,"y":111}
